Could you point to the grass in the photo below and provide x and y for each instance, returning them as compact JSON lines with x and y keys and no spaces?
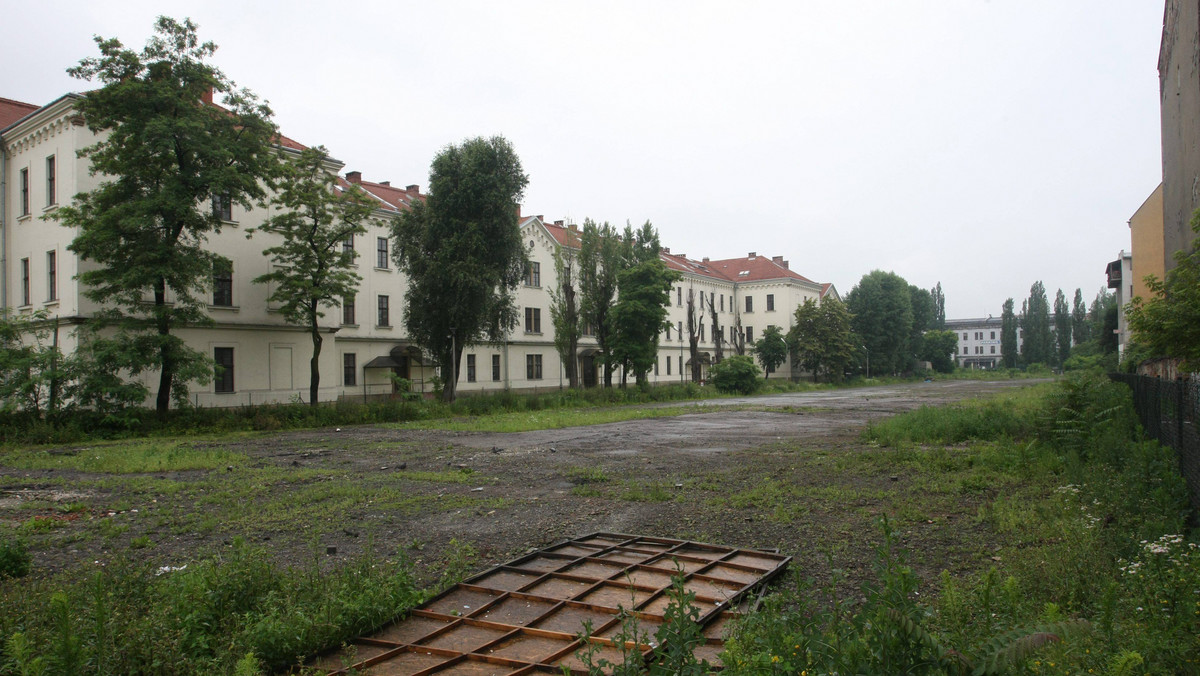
{"x":526,"y":421}
{"x":136,"y":457}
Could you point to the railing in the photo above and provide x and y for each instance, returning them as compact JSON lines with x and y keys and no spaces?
{"x":1168,"y":410}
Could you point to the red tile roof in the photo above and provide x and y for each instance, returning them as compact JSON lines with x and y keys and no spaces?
{"x":756,"y":268}
{"x":11,"y":111}
{"x":392,"y":197}
{"x":684,"y":264}
{"x":563,"y":234}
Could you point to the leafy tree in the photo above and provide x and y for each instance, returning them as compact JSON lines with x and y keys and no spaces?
{"x":163,"y":155}
{"x":1168,"y":323}
{"x":640,"y":314}
{"x":1038,"y":344}
{"x":939,"y":307}
{"x":772,"y":349}
{"x":32,"y":368}
{"x":821,"y":338}
{"x":462,"y":252}
{"x":883,"y":317}
{"x":600,"y":261}
{"x":938,"y":349}
{"x":737,"y":374}
{"x":1080,"y":329}
{"x":564,"y":312}
{"x":311,"y":268}
{"x":1062,"y":327}
{"x":924,"y":311}
{"x":1008,"y":336}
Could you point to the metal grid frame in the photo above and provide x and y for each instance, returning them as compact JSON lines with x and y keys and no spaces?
{"x":525,"y":616}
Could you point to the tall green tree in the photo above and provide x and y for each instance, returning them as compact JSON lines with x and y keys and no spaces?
{"x":1037,"y":346}
{"x":771,"y":349}
{"x":1168,"y":322}
{"x":461,"y":249}
{"x":938,"y":349}
{"x":939,"y":307}
{"x":601,"y":258}
{"x":883,"y":317}
{"x":311,"y":268}
{"x":1080,"y":332}
{"x":164,"y":154}
{"x":640,"y":314}
{"x":1008,"y":336}
{"x":564,"y":311}
{"x":821,"y":338}
{"x":1062,"y":328}
{"x":924,"y":311}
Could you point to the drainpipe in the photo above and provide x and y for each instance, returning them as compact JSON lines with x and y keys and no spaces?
{"x":3,"y":227}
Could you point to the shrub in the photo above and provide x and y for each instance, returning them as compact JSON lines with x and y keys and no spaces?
{"x":14,"y":559}
{"x":737,"y":374}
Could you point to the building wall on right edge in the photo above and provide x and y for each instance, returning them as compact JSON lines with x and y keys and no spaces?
{"x":1179,"y":91}
{"x":1146,"y":235}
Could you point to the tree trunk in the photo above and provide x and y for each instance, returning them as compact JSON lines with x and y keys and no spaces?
{"x":314,"y":369}
{"x":694,"y":351}
{"x":450,"y":380}
{"x":167,"y":373}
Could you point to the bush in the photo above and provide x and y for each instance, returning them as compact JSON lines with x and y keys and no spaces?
{"x":14,"y":559}
{"x":737,"y":374}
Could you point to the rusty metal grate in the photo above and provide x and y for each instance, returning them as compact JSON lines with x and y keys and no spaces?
{"x":524,"y":617}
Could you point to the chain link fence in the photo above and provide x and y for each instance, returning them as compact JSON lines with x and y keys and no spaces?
{"x":1168,"y":410}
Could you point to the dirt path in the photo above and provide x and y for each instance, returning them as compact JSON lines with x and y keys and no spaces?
{"x":751,"y":472}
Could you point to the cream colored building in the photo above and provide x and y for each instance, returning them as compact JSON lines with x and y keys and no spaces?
{"x":268,"y":360}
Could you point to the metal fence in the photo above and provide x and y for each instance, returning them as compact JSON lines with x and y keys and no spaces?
{"x":1168,"y":410}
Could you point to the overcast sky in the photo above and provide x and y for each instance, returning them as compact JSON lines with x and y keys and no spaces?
{"x":982,"y":144}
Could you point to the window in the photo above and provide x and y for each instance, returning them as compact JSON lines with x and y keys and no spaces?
{"x":701,"y":333}
{"x":733,"y":334}
{"x":349,"y":369}
{"x":749,"y":334}
{"x":381,"y":253}
{"x":223,"y":283}
{"x":24,"y":281}
{"x":679,"y":296}
{"x":24,"y":192}
{"x":51,"y":193}
{"x":51,"y":276}
{"x":722,"y":302}
{"x":470,"y":368}
{"x":222,"y":207}
{"x":348,"y":310}
{"x":496,"y":367}
{"x":702,"y":301}
{"x":533,"y":367}
{"x":964,"y":335}
{"x":993,"y":349}
{"x":655,"y":367}
{"x":533,"y":320}
{"x":223,"y":382}
{"x":993,"y":335}
{"x":749,"y":304}
{"x":680,"y":330}
{"x":383,"y":312}
{"x":770,"y":302}
{"x":668,"y":333}
{"x":348,"y":244}
{"x":533,"y":274}
{"x":668,"y":366}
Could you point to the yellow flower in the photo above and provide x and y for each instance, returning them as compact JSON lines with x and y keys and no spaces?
{"x":775,"y":658}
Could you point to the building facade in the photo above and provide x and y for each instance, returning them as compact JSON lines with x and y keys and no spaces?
{"x":1179,"y":98}
{"x":979,"y":344}
{"x":366,"y":352}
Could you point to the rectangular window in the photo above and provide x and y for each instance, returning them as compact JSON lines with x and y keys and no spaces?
{"x":51,"y":275}
{"x":348,"y":310}
{"x":533,"y":274}
{"x":770,"y":302}
{"x":533,"y":367}
{"x":733,"y":334}
{"x":470,"y":368}
{"x":679,"y":296}
{"x":384,"y":317}
{"x":964,"y":335}
{"x":496,"y":367}
{"x":702,"y":301}
{"x":993,"y":349}
{"x":655,"y":367}
{"x":668,"y":366}
{"x":749,"y":334}
{"x":668,"y":333}
{"x":51,"y":192}
{"x":24,"y":192}
{"x":349,"y":369}
{"x":381,"y":253}
{"x":680,"y":327}
{"x":749,"y":304}
{"x":993,"y":335}
{"x":533,"y":320}
{"x":722,"y":302}
{"x":701,"y":333}
{"x":222,"y":207}
{"x":223,"y":283}
{"x":348,"y":244}
{"x":25,"y":281}
{"x":223,"y":382}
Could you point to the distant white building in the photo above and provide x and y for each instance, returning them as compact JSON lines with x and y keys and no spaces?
{"x":979,"y":342}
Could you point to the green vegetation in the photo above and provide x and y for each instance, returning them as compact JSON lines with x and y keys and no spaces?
{"x":737,"y":374}
{"x":235,"y":610}
{"x":1168,"y":323}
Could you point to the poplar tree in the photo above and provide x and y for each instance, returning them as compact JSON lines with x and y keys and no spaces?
{"x":164,"y":153}
{"x":1038,"y":344}
{"x":1062,"y":327}
{"x":312,"y":269}
{"x":1080,"y":327}
{"x":564,"y":312}
{"x":1008,"y":336}
{"x":600,"y":261}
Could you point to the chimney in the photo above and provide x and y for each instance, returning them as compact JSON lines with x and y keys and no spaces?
{"x":207,"y":96}
{"x":541,"y":217}
{"x":416,"y":189}
{"x":354,"y":177}
{"x":518,"y":208}
{"x":558,"y":223}
{"x":752,"y":255}
{"x":387,"y":183}
{"x":666,"y":250}
{"x":705,"y":259}
{"x":574,"y":227}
